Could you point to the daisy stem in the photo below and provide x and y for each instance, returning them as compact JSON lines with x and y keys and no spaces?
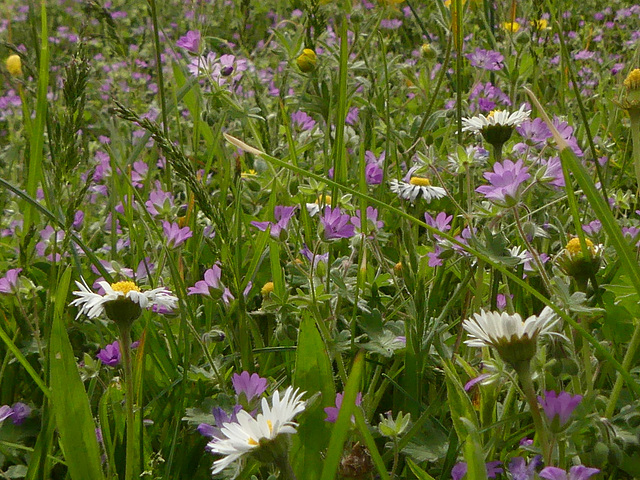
{"x":626,"y":364}
{"x":497,"y":152}
{"x":283,"y":464}
{"x":635,"y":137}
{"x":534,"y":253}
{"x":125,"y":349}
{"x":523,"y":369}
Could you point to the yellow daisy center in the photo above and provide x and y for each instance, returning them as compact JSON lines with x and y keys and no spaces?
{"x":125,"y":287}
{"x":574,"y":248}
{"x":327,"y":200}
{"x":251,"y":441}
{"x":632,"y":82}
{"x":420,"y":181}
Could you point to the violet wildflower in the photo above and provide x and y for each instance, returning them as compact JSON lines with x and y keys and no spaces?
{"x":441,"y":222}
{"x":371,"y":223}
{"x":577,"y":472}
{"x":534,"y":132}
{"x":505,"y":180}
{"x":110,"y":354}
{"x":558,"y":407}
{"x":190,"y":42}
{"x":9,"y":283}
{"x":220,"y":418}
{"x":352,"y":116}
{"x":486,"y":59}
{"x":212,"y":284}
{"x":459,"y":470}
{"x":336,"y":225}
{"x":313,"y":258}
{"x":21,"y":411}
{"x":566,"y":132}
{"x":302,"y":121}
{"x":475,"y":380}
{"x":373,"y":171}
{"x":520,"y":470}
{"x":278,"y":230}
{"x":160,"y":202}
{"x":248,"y":387}
{"x":5,"y":412}
{"x":332,"y":412}
{"x":176,"y":236}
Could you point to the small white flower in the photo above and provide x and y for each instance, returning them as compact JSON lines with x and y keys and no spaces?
{"x":93,"y":304}
{"x":515,"y":339}
{"x":248,"y":433}
{"x":416,"y":187}
{"x":496,"y":118}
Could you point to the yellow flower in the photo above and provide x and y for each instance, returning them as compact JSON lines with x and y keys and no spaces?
{"x":512,"y":27}
{"x":420,"y":181}
{"x":541,"y":24}
{"x":574,"y":248}
{"x":267,"y":288}
{"x":632,"y":82}
{"x":307,"y":60}
{"x":14,"y":65}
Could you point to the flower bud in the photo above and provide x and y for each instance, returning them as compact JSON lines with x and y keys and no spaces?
{"x":428,"y":51}
{"x":307,"y":60}
{"x":14,"y":65}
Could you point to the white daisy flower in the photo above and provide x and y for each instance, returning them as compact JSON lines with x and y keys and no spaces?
{"x":120,"y":299}
{"x":515,"y":339}
{"x":248,"y":433}
{"x":503,"y":118}
{"x":416,"y":187}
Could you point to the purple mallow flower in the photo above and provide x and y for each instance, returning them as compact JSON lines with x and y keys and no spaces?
{"x":578,"y":472}
{"x":251,"y":386}
{"x":5,"y":412}
{"x":283,"y":216}
{"x":505,"y":181}
{"x":21,"y":411}
{"x":521,"y":471}
{"x":332,"y":412}
{"x":302,"y":122}
{"x":191,"y":41}
{"x":221,"y":417}
{"x":459,"y":470}
{"x":372,"y":220}
{"x":373,"y":172}
{"x":110,"y":355}
{"x":558,"y":407}
{"x":176,"y":236}
{"x":9,"y":283}
{"x":211,"y":281}
{"x":336,"y":224}
{"x":442,"y":222}
{"x":486,"y":59}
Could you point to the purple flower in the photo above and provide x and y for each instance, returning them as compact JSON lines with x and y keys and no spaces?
{"x":578,"y":472}
{"x":5,"y":412}
{"x":553,"y":172}
{"x":159,"y":202}
{"x":176,"y":236}
{"x":283,"y":216}
{"x":442,"y":222}
{"x":372,"y":219}
{"x":220,"y":417}
{"x":315,"y":259}
{"x":521,"y":471}
{"x":558,"y":407}
{"x":505,"y":181}
{"x":373,"y":172}
{"x":352,"y":116}
{"x":474,"y":381}
{"x":9,"y":283}
{"x":302,"y":122}
{"x":336,"y":224}
{"x":486,"y":59}
{"x":191,"y":41}
{"x":566,"y":132}
{"x":332,"y":412}
{"x":21,"y":412}
{"x":459,"y":470}
{"x":250,"y":385}
{"x":110,"y":355}
{"x":212,"y":282}
{"x":534,"y":132}
{"x":391,"y":24}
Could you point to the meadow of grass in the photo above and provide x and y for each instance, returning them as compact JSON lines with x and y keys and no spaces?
{"x":319,"y":239}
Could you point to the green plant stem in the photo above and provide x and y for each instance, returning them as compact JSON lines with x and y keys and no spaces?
{"x":626,"y":364}
{"x":534,"y":253}
{"x":125,"y":350}
{"x":635,"y":137}
{"x":497,"y":152}
{"x":283,"y":464}
{"x":523,"y":369}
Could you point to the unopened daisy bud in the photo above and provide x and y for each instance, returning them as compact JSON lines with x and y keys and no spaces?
{"x":632,"y":85}
{"x":575,"y":263}
{"x":266,"y":289}
{"x":14,"y":65}
{"x":307,"y":60}
{"x":428,"y":52}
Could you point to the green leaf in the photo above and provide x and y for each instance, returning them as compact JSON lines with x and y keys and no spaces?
{"x":418,"y":472}
{"x":312,"y":374}
{"x":71,"y":408}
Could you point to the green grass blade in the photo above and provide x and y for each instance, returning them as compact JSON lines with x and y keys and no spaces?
{"x":343,"y":423}
{"x":74,"y":420}
{"x":371,"y":445}
{"x":417,"y":471}
{"x":23,"y":361}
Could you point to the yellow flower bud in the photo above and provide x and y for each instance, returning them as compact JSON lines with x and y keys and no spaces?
{"x":307,"y":60}
{"x":14,"y":65}
{"x":267,"y":288}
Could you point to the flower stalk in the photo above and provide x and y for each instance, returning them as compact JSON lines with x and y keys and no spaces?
{"x":125,"y":342}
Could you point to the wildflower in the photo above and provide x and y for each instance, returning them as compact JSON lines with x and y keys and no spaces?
{"x":497,"y":127}
{"x":577,"y":472}
{"x":250,"y":435}
{"x":9,"y":283}
{"x":417,"y":186}
{"x":190,"y":42}
{"x":176,"y":236}
{"x":512,"y":27}
{"x":514,"y":339}
{"x":336,"y":224}
{"x":251,"y":386}
{"x":5,"y":412}
{"x":505,"y":180}
{"x":578,"y":264}
{"x":21,"y":411}
{"x":521,"y":471}
{"x":441,"y":222}
{"x":278,"y":230}
{"x":220,"y":418}
{"x":486,"y":59}
{"x":110,"y":355}
{"x":211,"y":284}
{"x":534,"y":132}
{"x":122,"y":301}
{"x":312,"y":257}
{"x":302,"y":121}
{"x":558,"y":407}
{"x":373,"y":172}
{"x":307,"y":60}
{"x":428,"y":51}
{"x":540,"y":25}
{"x":459,"y":470}
{"x":332,"y":412}
{"x":370,"y":223}
{"x":14,"y":65}
{"x":314,"y":208}
{"x":266,"y":289}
